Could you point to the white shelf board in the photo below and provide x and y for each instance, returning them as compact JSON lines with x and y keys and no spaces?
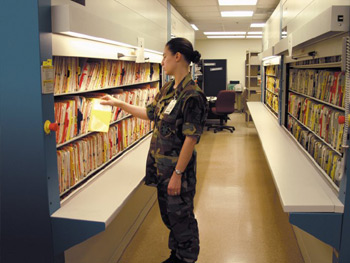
{"x":102,"y":198}
{"x":300,"y":185}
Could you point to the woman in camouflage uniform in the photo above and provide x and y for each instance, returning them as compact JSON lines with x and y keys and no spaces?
{"x":179,"y":112}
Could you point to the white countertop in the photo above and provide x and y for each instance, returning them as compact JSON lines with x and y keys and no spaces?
{"x":299,"y":183}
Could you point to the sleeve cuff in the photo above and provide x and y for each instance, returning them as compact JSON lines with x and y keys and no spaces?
{"x":150,"y":112}
{"x":191,"y":129}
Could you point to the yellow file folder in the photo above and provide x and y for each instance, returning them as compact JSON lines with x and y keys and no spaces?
{"x":100,"y":116}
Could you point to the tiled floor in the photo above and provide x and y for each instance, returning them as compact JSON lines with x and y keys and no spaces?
{"x":238,"y":210}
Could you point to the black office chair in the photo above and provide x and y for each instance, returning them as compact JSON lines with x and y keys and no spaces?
{"x":225,"y":104}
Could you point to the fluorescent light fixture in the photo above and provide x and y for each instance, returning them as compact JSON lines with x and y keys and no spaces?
{"x":74,"y":34}
{"x":284,"y":32}
{"x":257,"y":25}
{"x":225,"y":36}
{"x":237,"y":2}
{"x":270,"y":57}
{"x":225,"y":33}
{"x":254,"y":33}
{"x":236,"y":13}
{"x":254,"y":36}
{"x":194,"y":27}
{"x":104,"y":40}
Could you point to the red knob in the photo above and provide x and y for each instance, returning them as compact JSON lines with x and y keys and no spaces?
{"x":341,"y":119}
{"x":53,"y":126}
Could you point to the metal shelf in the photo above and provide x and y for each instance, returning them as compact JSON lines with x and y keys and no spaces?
{"x":108,"y":88}
{"x":318,"y":100}
{"x":272,"y":92}
{"x":322,"y":65}
{"x":271,"y":75}
{"x":319,"y":137}
{"x":88,"y":133}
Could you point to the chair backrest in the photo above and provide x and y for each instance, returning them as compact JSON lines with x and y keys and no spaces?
{"x":225,"y":102}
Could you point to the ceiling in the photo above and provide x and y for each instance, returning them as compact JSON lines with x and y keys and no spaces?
{"x":205,"y":14}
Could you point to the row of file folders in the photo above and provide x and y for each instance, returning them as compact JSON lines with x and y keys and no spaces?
{"x":272,"y":101}
{"x":325,"y":85}
{"x":73,"y":74}
{"x":76,"y":160}
{"x":322,"y":120}
{"x":73,"y":114}
{"x":325,"y":157}
{"x":272,"y":70}
{"x":272,"y":84}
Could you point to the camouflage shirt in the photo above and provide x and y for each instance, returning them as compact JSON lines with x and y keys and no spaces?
{"x":186,"y":118}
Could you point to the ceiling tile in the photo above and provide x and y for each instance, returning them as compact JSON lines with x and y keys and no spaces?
{"x":207,"y":17}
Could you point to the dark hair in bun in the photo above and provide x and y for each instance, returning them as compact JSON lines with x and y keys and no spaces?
{"x":196,"y":56}
{"x":183,"y":46}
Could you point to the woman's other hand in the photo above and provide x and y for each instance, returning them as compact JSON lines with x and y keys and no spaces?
{"x":174,"y":186}
{"x":109,"y":100}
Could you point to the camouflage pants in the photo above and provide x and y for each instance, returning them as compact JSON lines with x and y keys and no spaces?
{"x":177,"y":215}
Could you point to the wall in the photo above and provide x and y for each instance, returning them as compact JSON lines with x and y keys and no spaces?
{"x":232,"y":50}
{"x":180,"y":27}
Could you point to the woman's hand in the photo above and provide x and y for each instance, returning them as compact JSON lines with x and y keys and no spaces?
{"x":109,"y":100}
{"x":174,"y":186}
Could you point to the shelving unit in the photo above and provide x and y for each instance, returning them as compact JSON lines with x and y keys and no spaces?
{"x":315,"y":96}
{"x":304,"y":137}
{"x":252,"y":73}
{"x":80,"y":152}
{"x":36,"y":225}
{"x":297,"y":179}
{"x":272,"y":85}
{"x":98,"y":152}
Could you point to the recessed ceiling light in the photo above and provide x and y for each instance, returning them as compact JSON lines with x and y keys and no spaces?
{"x":236,"y":13}
{"x":225,"y":36}
{"x":194,"y":27}
{"x":254,"y":33}
{"x":225,"y":33}
{"x":237,"y":2}
{"x":254,"y":36}
{"x":257,"y":25}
